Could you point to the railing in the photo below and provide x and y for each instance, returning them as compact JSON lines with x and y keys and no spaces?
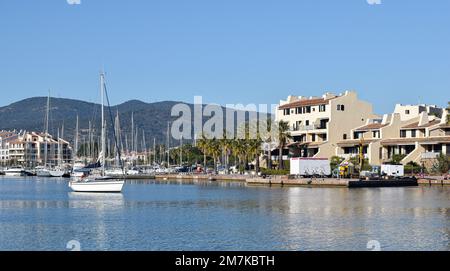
{"x":350,"y":155}
{"x":309,"y":127}
{"x":430,"y":155}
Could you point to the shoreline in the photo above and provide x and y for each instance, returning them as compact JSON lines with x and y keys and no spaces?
{"x":310,"y":182}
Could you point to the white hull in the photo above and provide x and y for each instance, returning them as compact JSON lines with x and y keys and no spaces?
{"x":49,"y":173}
{"x":43,"y":173}
{"x":99,"y":186}
{"x":14,"y":173}
{"x":56,"y":173}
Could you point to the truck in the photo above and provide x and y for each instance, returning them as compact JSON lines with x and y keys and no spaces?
{"x":392,"y":170}
{"x":309,"y":167}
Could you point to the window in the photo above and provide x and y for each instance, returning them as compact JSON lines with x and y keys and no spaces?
{"x":308,"y":109}
{"x":407,"y":112}
{"x":313,"y":137}
{"x":322,"y":108}
{"x":344,"y":136}
{"x":376,"y":134}
{"x":286,"y":112}
{"x":340,"y":107}
{"x":413,"y":133}
{"x":307,"y":123}
{"x":403,"y":133}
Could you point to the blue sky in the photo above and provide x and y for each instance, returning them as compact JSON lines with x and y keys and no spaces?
{"x":233,"y":51}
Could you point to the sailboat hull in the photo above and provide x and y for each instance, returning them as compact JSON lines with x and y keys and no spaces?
{"x":97,"y":186}
{"x":49,"y":173}
{"x":56,"y":173}
{"x":43,"y":173}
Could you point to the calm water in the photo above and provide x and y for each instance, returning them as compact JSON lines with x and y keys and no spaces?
{"x":42,"y":214}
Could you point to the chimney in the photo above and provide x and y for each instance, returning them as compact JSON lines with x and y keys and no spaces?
{"x":395,"y":118}
{"x":444,"y":119}
{"x":386,"y":118}
{"x":423,"y":118}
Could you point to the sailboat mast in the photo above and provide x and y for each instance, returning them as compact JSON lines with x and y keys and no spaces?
{"x":103,"y":123}
{"x":181,"y":151}
{"x":132,"y":133}
{"x":168,"y":145}
{"x":59,"y":149}
{"x":76,"y":138}
{"x":154,"y":150}
{"x":46,"y":130}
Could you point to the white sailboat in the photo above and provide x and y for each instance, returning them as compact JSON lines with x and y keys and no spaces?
{"x":45,"y":171}
{"x":78,"y":166}
{"x":102,"y":183}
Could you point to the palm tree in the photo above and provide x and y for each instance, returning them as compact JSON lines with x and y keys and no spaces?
{"x":225,"y":144}
{"x":203,"y":143}
{"x":240,"y":150}
{"x":254,"y":149}
{"x":214,"y":150}
{"x":283,"y":138}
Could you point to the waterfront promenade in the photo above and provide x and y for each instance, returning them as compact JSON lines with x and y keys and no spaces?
{"x":286,"y":181}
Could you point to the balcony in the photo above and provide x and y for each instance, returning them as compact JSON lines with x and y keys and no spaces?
{"x":347,"y":156}
{"x":430,"y":155}
{"x":304,"y":128}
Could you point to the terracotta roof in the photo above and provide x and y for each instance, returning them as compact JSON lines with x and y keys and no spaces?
{"x":17,"y":141}
{"x":413,"y":140}
{"x":416,"y":125}
{"x":306,"y":102}
{"x":443,"y":126}
{"x":371,"y":126}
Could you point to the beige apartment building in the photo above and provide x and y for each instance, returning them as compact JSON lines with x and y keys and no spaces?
{"x":418,"y":132}
{"x":28,"y":149}
{"x":317,"y":124}
{"x":421,"y":141}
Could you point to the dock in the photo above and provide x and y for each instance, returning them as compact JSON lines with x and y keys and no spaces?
{"x":333,"y":182}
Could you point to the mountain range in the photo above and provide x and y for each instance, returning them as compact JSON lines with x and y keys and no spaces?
{"x":149,"y":118}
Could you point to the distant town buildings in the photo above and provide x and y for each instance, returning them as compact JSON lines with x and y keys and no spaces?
{"x":28,"y":149}
{"x":336,"y":125}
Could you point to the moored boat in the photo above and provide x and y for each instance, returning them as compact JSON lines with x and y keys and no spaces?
{"x":102,"y":183}
{"x":97,"y":185}
{"x":14,"y":171}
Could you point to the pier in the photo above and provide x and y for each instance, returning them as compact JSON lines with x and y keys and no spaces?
{"x":309,"y":182}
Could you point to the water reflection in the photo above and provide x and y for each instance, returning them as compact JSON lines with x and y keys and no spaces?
{"x":42,"y":214}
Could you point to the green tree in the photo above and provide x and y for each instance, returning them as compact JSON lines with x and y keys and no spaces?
{"x":283,"y":137}
{"x":203,"y":143}
{"x":442,"y":164}
{"x":397,"y":158}
{"x":226,"y":146}
{"x":239,"y":148}
{"x":335,"y":161}
{"x":214,"y":150}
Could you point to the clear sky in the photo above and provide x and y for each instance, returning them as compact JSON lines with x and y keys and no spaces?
{"x":228,"y":51}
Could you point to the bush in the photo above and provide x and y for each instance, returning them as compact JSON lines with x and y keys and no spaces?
{"x":335,"y":161}
{"x":397,"y":158}
{"x":413,"y":168}
{"x":442,"y":164}
{"x":265,"y":171}
{"x":355,"y":161}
